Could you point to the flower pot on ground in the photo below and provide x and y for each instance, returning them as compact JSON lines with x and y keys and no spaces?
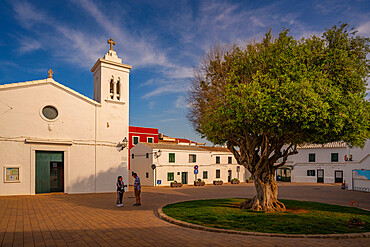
{"x":235,"y":181}
{"x":175,"y":184}
{"x":199,"y":182}
{"x":217,"y":182}
{"x":250,"y":180}
{"x":356,"y":223}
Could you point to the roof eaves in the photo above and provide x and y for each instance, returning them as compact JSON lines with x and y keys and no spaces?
{"x":53,"y":82}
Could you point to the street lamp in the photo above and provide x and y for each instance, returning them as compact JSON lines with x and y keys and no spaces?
{"x":158,"y":153}
{"x":124,"y":143}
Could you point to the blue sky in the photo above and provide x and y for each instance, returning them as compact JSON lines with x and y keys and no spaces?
{"x":162,"y":40}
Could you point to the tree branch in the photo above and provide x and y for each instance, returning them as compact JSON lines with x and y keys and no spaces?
{"x":286,"y":154}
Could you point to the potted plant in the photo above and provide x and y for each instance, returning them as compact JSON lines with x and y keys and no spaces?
{"x":355,"y":222}
{"x":217,"y":182}
{"x":199,"y":182}
{"x":250,"y":180}
{"x":175,"y":184}
{"x":235,"y":181}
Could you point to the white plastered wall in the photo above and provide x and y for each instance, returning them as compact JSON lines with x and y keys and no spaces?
{"x":141,"y":165}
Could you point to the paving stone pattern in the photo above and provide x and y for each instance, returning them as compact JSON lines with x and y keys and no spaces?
{"x":94,"y":220}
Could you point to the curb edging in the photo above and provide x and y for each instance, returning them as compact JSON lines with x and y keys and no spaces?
{"x":165,"y":217}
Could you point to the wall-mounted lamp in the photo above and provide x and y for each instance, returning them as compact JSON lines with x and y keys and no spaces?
{"x":124,"y":143}
{"x":158,"y":153}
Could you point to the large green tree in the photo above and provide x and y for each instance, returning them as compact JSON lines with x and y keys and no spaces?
{"x":264,"y":98}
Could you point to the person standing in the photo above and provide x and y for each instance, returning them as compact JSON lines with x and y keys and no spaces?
{"x":120,"y":191}
{"x":137,"y":189}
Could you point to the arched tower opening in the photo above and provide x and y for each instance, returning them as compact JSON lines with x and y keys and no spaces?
{"x":111,"y":88}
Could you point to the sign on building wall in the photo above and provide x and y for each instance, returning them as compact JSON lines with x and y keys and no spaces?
{"x":361,"y":180}
{"x":11,"y":174}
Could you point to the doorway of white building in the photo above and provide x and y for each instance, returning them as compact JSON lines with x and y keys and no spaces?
{"x":184,"y":178}
{"x":229,"y":175}
{"x":338,"y":176}
{"x":320,"y":175}
{"x":49,"y":172}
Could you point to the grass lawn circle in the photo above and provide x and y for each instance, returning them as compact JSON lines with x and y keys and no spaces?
{"x":301,"y":217}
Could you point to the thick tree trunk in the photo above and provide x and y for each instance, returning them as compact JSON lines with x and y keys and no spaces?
{"x":267,"y":191}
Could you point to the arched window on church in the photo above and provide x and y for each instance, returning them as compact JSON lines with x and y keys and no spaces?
{"x":118,"y":88}
{"x":111,"y":88}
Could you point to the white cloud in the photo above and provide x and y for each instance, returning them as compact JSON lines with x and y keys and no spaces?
{"x":151,"y":104}
{"x":139,"y":50}
{"x":167,"y":120}
{"x":328,"y":6}
{"x":226,"y":22}
{"x":81,"y":46}
{"x":27,"y":14}
{"x":307,"y":34}
{"x":180,"y":102}
{"x":256,"y":21}
{"x":28,"y":45}
{"x":147,"y":83}
{"x":195,"y":31}
{"x":165,"y":89}
{"x":178,"y":72}
{"x":66,"y":42}
{"x":364,"y":29}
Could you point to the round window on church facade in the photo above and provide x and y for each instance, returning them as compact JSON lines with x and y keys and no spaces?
{"x":50,"y":112}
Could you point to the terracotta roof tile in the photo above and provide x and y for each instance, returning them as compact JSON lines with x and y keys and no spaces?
{"x":172,"y":146}
{"x":216,"y":149}
{"x":326,"y":145}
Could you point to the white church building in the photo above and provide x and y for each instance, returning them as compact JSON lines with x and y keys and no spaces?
{"x":54,"y":139}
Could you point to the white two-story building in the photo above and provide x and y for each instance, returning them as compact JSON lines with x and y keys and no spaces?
{"x":329,"y":163}
{"x":174,"y":162}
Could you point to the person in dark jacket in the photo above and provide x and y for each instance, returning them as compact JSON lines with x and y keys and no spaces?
{"x":120,"y":190}
{"x":137,"y":189}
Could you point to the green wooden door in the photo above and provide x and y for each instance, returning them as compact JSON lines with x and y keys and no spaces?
{"x":184,"y":178}
{"x":56,"y":177}
{"x":43,"y":159}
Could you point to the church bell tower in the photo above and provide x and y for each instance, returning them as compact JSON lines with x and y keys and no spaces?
{"x":111,"y":78}
{"x":111,"y":90}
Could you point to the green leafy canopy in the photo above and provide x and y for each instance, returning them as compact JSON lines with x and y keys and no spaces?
{"x":300,"y":91}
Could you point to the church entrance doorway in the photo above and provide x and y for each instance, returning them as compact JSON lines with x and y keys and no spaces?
{"x":49,"y":172}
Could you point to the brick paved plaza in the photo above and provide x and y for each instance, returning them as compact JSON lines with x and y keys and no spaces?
{"x":94,"y":220}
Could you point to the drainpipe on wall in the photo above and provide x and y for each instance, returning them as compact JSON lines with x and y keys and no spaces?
{"x":96,"y":129}
{"x":155,"y":171}
{"x":348,"y":150}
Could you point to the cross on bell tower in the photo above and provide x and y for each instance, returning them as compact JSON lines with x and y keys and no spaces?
{"x":111,"y":42}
